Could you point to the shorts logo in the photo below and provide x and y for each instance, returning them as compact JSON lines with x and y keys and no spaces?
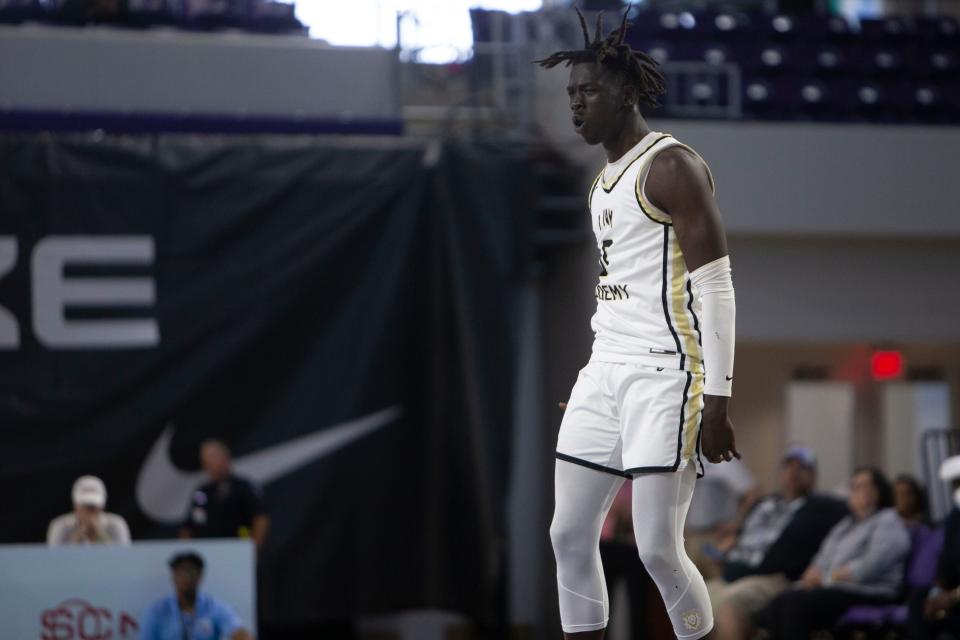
{"x":692,"y":620}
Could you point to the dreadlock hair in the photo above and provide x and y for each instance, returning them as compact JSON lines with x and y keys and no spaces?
{"x":639,"y":68}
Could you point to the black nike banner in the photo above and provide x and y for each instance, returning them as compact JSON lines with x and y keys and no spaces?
{"x":339,"y":315}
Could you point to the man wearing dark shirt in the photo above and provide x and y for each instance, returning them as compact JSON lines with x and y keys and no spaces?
{"x":227,"y":506}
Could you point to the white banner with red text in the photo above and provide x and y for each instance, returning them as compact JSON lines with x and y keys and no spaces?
{"x":100,"y":592}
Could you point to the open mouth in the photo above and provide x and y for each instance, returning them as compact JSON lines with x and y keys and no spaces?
{"x":577,"y":123}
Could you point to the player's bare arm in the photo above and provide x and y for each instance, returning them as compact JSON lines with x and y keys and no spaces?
{"x":679,"y":184}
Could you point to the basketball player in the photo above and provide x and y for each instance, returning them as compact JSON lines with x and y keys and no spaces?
{"x":654,"y":395}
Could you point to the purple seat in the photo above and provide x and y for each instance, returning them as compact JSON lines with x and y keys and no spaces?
{"x":274,"y":17}
{"x":826,"y":29}
{"x":940,"y":62}
{"x":925,"y":547}
{"x":768,"y":59}
{"x":885,"y":60}
{"x":671,"y":26}
{"x":888,"y":29}
{"x":149,"y":13}
{"x":16,"y":11}
{"x":938,"y":29}
{"x":897,"y":614}
{"x":207,"y":15}
{"x":730,"y":26}
{"x":781,"y":27}
{"x":864,"y":616}
{"x":716,"y":53}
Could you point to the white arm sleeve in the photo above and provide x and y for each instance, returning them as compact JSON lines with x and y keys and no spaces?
{"x":715,"y":287}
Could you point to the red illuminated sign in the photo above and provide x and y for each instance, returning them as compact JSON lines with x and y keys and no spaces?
{"x":886,"y":365}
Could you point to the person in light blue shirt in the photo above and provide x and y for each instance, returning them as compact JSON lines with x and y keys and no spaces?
{"x":188,"y":613}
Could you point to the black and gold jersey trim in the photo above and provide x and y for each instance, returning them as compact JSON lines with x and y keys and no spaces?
{"x":593,"y":187}
{"x":683,"y":420}
{"x":591,"y":465}
{"x":667,"y":222}
{"x":693,"y":314}
{"x":647,"y":207}
{"x":665,"y":299}
{"x":630,"y":164}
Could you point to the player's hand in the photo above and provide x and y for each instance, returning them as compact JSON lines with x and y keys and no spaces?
{"x":717,"y":438}
{"x":562,"y":405}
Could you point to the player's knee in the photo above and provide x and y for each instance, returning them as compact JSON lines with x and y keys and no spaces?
{"x":660,"y":561}
{"x":562,"y":535}
{"x":570,"y":541}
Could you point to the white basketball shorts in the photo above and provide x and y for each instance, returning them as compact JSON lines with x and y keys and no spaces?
{"x":626,"y":419}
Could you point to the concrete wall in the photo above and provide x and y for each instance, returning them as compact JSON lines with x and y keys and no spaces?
{"x":802,"y":178}
{"x":846,"y":290}
{"x":831,"y":179}
{"x":160,"y":71}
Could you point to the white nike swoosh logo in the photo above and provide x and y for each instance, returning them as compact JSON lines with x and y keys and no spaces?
{"x":164,"y":491}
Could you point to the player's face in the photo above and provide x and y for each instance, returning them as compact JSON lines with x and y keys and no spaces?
{"x":596,"y":97}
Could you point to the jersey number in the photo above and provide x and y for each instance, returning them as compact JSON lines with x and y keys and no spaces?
{"x":604,"y":258}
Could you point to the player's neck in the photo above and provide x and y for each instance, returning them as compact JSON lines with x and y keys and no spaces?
{"x":633,"y":131}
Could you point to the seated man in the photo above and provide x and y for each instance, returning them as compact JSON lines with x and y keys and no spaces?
{"x":88,"y":523}
{"x":861,"y":562}
{"x":189,"y":612}
{"x":779,"y":537}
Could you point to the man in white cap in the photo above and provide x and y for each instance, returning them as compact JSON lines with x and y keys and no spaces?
{"x":88,"y":523}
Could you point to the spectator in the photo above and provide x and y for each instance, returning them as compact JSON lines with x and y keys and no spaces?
{"x":721,"y":501}
{"x":910,"y":501}
{"x":189,"y":612}
{"x":779,"y":537}
{"x":935,"y":611}
{"x":88,"y":523}
{"x":227,"y":506}
{"x":861,"y":562}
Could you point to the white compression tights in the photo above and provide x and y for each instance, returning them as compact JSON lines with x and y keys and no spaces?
{"x":660,"y":503}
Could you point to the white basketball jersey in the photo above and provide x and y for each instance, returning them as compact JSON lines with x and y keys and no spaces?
{"x":647,"y":310}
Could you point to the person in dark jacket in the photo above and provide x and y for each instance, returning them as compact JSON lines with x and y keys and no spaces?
{"x":936,"y":611}
{"x":228,"y":506}
{"x":779,"y":537}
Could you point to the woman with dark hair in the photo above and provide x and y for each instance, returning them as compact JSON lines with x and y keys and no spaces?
{"x":910,"y":500}
{"x":861,"y":561}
